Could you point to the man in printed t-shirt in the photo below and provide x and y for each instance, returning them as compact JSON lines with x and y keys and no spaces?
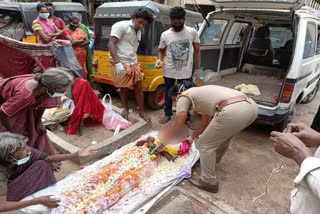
{"x":178,"y":44}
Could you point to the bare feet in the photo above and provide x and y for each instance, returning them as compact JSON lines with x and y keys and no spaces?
{"x":165,"y":119}
{"x":125,"y":114}
{"x":144,"y":116}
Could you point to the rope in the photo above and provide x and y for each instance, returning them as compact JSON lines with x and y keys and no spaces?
{"x":279,"y":169}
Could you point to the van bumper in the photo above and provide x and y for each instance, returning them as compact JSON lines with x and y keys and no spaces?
{"x":272,"y":116}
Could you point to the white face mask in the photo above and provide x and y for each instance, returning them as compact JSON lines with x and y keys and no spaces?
{"x":55,"y":94}
{"x":23,"y":160}
{"x":133,"y":23}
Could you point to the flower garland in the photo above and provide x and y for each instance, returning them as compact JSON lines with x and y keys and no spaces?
{"x":106,"y":186}
{"x":183,"y":148}
{"x":96,"y":190}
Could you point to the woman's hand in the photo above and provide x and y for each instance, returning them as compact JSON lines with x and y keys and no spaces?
{"x":41,"y":129}
{"x":85,"y":43}
{"x":84,"y":152}
{"x":48,"y":202}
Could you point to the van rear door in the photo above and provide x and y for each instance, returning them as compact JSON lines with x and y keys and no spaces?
{"x":258,"y":4}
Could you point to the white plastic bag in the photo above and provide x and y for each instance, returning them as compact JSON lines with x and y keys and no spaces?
{"x":112,"y":119}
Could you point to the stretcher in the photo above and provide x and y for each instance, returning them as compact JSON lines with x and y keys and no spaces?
{"x":136,"y":188}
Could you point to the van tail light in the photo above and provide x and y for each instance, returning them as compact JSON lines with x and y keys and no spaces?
{"x":287,"y":92}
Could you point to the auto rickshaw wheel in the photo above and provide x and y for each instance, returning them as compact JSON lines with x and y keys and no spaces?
{"x":156,"y":98}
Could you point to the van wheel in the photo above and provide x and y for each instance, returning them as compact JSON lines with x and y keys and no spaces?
{"x":311,"y":95}
{"x":156,"y":98}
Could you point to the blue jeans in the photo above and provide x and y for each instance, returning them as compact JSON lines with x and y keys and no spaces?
{"x":169,"y":83}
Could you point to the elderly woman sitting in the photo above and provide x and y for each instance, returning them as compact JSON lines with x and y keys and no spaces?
{"x":24,"y":170}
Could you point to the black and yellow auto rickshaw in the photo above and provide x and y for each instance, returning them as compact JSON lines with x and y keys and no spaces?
{"x":11,"y":21}
{"x":62,"y":9}
{"x":108,"y":14}
{"x":16,"y":18}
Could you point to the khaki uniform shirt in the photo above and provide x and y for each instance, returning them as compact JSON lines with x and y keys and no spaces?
{"x":204,"y":99}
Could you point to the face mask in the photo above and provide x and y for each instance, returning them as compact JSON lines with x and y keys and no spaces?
{"x":133,"y":24}
{"x":23,"y":160}
{"x":177,"y":27}
{"x":51,"y":12}
{"x":74,"y":25}
{"x":43,"y":15}
{"x":55,"y":94}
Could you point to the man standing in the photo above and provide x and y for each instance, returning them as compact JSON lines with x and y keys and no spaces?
{"x":126,"y":72}
{"x":178,"y":44}
{"x":59,"y":23}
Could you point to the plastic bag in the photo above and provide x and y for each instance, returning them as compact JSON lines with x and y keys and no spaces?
{"x":111,"y":118}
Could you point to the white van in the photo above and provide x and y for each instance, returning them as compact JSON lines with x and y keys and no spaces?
{"x":274,"y":44}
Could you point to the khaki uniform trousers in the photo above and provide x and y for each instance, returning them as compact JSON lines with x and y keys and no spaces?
{"x":216,"y":137}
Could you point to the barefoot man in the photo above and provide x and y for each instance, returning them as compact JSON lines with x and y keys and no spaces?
{"x":126,"y":72}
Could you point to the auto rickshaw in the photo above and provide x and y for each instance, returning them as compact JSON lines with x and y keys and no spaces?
{"x":109,"y":13}
{"x":62,"y":10}
{"x":11,"y":21}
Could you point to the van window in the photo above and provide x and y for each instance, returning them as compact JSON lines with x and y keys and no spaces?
{"x":237,"y":33}
{"x":279,"y":34}
{"x":318,"y":41}
{"x":212,"y":34}
{"x":310,"y":41}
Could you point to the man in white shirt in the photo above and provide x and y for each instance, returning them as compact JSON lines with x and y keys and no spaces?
{"x":305,"y":198}
{"x":178,"y":44}
{"x":123,"y":44}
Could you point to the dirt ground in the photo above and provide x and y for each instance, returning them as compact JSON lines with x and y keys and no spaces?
{"x":246,"y":167}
